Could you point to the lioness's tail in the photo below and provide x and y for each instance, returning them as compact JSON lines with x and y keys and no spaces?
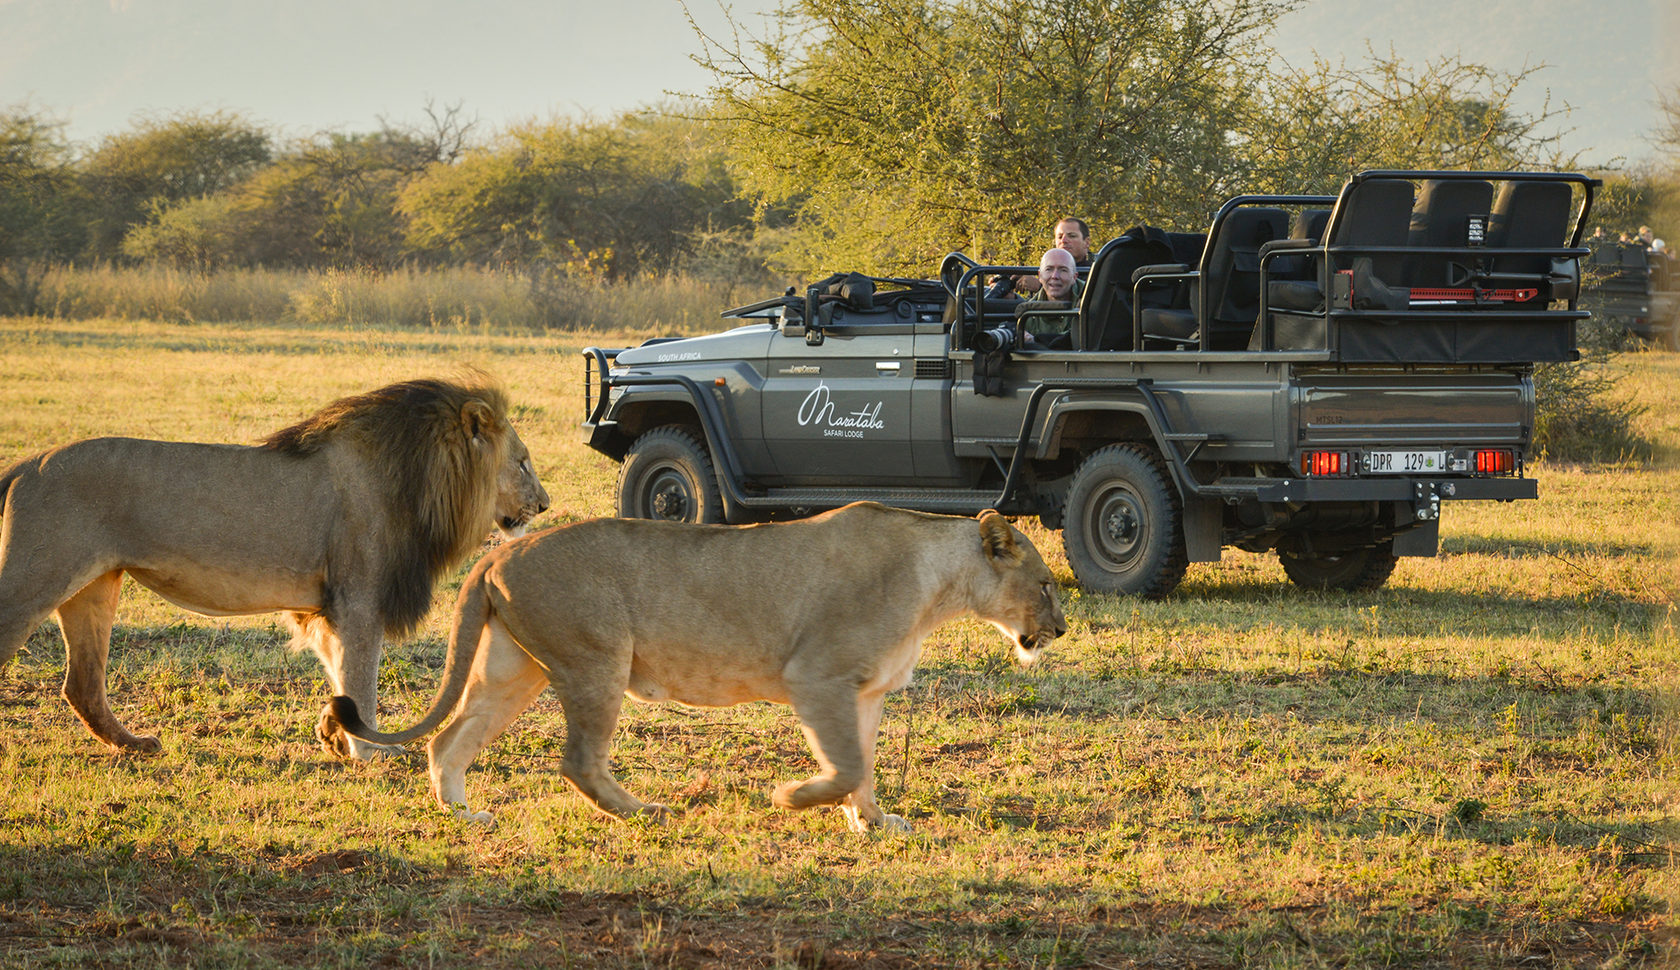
{"x":7,"y":477}
{"x":472,"y":612}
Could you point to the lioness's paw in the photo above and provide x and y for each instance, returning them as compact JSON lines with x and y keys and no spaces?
{"x":885,"y":825}
{"x":367,"y":751}
{"x":486,"y":819}
{"x":894,"y":824}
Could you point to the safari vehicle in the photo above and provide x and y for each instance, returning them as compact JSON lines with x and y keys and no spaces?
{"x":1630,"y":290}
{"x":1314,"y":375}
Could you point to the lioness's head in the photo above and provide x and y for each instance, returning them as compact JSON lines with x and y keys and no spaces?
{"x":1021,"y":601}
{"x":519,"y":495}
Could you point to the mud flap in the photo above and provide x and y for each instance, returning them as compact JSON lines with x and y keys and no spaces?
{"x":1422,"y":539}
{"x":1202,"y":521}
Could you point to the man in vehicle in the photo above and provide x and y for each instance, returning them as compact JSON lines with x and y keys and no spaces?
{"x":1072,"y":234}
{"x":1060,"y":284}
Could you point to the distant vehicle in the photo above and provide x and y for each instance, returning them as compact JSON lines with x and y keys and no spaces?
{"x":1314,"y":375}
{"x":1631,"y":290}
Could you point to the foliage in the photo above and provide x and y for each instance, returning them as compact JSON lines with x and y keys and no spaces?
{"x":901,"y":130}
{"x":1582,"y":415}
{"x":905,"y":129}
{"x":41,"y":209}
{"x":163,"y":162}
{"x":1322,"y":123}
{"x":585,"y":199}
{"x":1665,"y":212}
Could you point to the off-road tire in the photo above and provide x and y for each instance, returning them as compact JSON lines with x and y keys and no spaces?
{"x":1352,"y":571}
{"x":668,"y":475}
{"x":1123,"y":525}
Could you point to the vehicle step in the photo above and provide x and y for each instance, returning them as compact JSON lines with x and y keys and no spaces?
{"x":923,"y":499}
{"x":1192,"y":436}
{"x":1236,"y":487}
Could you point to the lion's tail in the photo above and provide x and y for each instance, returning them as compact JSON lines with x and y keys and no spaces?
{"x":472,"y":612}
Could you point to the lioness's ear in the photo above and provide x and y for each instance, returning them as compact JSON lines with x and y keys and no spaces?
{"x":998,"y":539}
{"x":477,"y":419}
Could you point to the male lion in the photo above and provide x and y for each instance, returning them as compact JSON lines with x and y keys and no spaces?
{"x":344,"y":521}
{"x":826,"y":614}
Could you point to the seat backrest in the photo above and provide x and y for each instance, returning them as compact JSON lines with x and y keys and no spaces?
{"x":1307,"y":224}
{"x":1375,"y":212}
{"x":1105,"y":313}
{"x":1530,"y":214}
{"x":1231,"y":284}
{"x":1440,"y":218}
{"x":1106,"y":310}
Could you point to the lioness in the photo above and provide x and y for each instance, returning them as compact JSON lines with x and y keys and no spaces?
{"x":711,"y":616}
{"x":344,"y":521}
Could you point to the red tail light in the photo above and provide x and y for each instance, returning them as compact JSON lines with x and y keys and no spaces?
{"x":1495,"y":461}
{"x":1325,"y":463}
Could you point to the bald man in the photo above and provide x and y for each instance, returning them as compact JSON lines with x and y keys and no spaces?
{"x":1060,"y":282}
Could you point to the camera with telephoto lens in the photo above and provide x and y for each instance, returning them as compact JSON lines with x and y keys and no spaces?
{"x":997,"y":338}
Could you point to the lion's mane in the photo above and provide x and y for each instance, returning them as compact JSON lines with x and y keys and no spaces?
{"x":439,"y":489}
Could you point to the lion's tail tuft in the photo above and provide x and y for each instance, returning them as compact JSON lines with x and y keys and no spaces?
{"x":472,"y":613}
{"x":346,"y":716}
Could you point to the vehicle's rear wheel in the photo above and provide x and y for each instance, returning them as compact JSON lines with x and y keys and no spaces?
{"x":1122,"y":525}
{"x":1357,"y":569}
{"x":667,"y":474}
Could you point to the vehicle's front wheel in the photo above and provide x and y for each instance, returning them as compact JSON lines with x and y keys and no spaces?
{"x":1352,"y":571}
{"x":1123,"y":523}
{"x":667,"y":474}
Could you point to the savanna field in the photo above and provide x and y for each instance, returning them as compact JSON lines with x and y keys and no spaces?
{"x":1475,"y":766}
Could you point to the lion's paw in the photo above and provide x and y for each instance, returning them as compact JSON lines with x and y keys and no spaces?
{"x":651,"y":812}
{"x":145,"y":744}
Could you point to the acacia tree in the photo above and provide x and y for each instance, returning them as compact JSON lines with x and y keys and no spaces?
{"x":137,"y":175}
{"x":604,"y":200}
{"x":900,"y":129}
{"x":1318,"y":125}
{"x":906,"y":128}
{"x":328,"y":200}
{"x":1667,"y":208}
{"x":41,"y":209}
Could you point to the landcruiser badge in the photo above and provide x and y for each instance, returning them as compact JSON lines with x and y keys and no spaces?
{"x":818,"y":409}
{"x":801,"y":369}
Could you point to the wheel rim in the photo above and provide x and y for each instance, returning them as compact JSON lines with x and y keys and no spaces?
{"x":667,"y":495}
{"x":1116,"y":527}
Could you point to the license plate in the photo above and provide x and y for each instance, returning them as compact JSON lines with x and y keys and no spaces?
{"x":1405,"y":462}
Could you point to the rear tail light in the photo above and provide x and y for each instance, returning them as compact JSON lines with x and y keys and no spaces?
{"x":1326,"y":464}
{"x":1495,"y":461}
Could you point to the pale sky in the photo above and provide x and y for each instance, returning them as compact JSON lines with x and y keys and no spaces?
{"x":308,"y":65}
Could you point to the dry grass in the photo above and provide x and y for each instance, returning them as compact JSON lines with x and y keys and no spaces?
{"x":1474,"y":766}
{"x":446,"y":299}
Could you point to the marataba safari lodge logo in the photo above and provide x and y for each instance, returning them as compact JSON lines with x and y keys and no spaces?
{"x":818,"y":409}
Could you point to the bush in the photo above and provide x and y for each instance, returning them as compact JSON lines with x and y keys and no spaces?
{"x":1580,"y":418}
